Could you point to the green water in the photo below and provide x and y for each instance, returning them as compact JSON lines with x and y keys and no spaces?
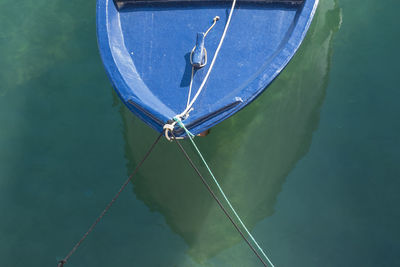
{"x":312,"y":165}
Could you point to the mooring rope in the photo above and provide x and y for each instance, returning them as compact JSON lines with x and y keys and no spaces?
{"x":190,"y":104}
{"x":216,"y":18}
{"x":64,"y":261}
{"x":217,"y":200}
{"x":191,"y":137}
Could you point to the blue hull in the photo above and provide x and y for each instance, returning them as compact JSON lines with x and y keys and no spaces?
{"x":146,"y":52}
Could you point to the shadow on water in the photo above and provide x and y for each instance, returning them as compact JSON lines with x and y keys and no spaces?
{"x":250,"y":153}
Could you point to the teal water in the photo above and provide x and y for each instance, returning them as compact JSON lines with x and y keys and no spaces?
{"x":311,"y":165}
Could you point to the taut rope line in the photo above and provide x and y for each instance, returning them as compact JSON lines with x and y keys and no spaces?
{"x":169,"y":127}
{"x":205,"y":61}
{"x":188,"y":107}
{"x":217,"y":200}
{"x":64,"y":261}
{"x":191,"y":137}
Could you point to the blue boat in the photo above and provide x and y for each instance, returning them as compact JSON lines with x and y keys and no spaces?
{"x":198,"y":61}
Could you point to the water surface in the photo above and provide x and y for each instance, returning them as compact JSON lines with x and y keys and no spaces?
{"x":311,"y":165}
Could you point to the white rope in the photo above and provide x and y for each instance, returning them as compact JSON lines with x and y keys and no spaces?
{"x":212,"y":63}
{"x":177,"y":118}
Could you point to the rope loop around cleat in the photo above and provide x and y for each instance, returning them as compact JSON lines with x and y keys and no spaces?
{"x":168,"y":129}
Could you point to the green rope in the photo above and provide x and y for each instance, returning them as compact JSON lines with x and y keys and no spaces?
{"x":191,"y":137}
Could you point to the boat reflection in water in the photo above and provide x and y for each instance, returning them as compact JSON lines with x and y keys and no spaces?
{"x":251,"y":153}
